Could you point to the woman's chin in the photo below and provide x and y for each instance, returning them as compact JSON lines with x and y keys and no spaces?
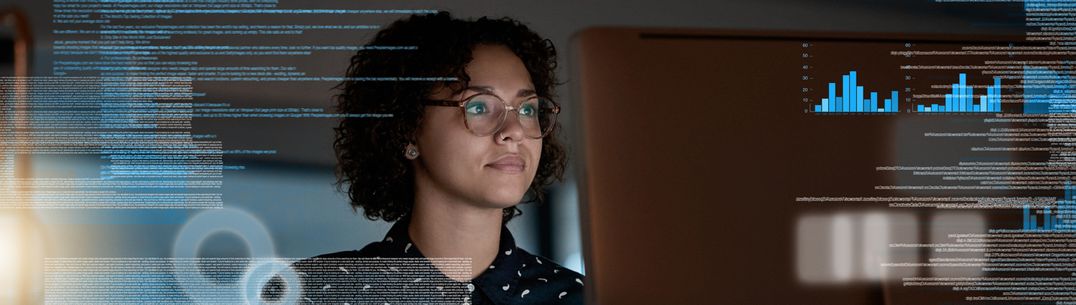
{"x":504,"y":199}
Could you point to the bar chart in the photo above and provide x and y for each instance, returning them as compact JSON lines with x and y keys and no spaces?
{"x":962,"y":98}
{"x":851,"y":99}
{"x":1060,"y":219}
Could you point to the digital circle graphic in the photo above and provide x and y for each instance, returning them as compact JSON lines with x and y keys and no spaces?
{"x":263,"y":271}
{"x":200,"y":227}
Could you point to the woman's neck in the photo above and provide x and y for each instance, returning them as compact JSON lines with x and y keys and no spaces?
{"x":443,"y":229}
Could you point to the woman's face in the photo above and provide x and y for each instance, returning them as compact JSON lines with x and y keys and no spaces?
{"x":493,"y":171}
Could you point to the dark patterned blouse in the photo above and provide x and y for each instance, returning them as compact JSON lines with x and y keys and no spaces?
{"x":393,"y":271}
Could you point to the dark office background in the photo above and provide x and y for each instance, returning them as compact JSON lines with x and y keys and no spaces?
{"x":292,"y":192}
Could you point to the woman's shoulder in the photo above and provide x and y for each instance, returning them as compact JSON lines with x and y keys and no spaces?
{"x":369,"y":276}
{"x":545,"y":278}
{"x":547,"y":266}
{"x":327,"y":268}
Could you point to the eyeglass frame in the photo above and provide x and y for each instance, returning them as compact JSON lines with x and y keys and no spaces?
{"x":504,"y":118}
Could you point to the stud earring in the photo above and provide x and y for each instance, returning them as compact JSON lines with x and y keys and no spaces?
{"x":411,"y":152}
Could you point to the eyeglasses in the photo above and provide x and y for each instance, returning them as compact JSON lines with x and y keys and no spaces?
{"x":485,"y":114}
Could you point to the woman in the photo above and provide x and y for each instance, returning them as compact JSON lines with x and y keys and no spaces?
{"x":472,"y":133}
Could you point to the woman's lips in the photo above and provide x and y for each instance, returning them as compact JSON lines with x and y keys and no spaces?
{"x":510,"y":164}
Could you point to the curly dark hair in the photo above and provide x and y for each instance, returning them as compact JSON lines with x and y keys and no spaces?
{"x":369,"y":151}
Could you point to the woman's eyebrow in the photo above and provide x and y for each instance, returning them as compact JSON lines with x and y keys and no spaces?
{"x":488,"y":89}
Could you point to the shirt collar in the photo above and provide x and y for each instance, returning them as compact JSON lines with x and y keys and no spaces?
{"x":397,"y":242}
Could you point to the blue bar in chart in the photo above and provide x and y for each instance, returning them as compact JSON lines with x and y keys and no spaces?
{"x":851,"y":98}
{"x":1059,"y":219}
{"x":962,"y":98}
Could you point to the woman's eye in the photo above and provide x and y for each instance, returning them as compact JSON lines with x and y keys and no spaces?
{"x":528,"y":110}
{"x":476,"y":108}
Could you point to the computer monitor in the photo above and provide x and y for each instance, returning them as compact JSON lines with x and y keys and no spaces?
{"x":698,"y":144}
